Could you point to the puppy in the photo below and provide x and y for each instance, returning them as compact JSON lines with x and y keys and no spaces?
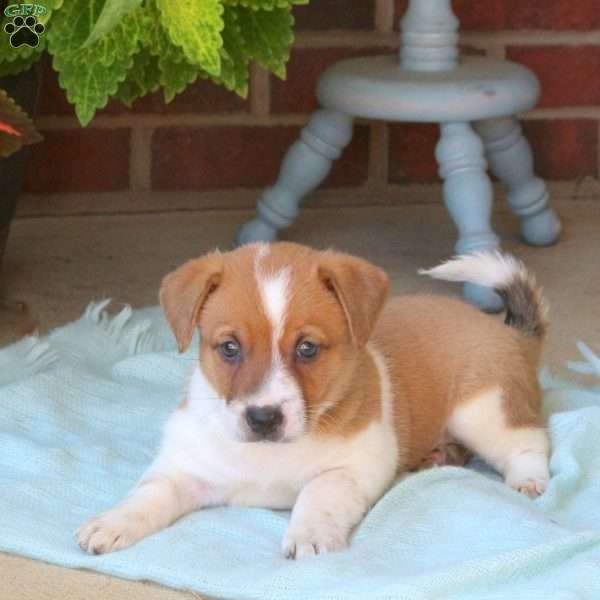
{"x":320,"y":393}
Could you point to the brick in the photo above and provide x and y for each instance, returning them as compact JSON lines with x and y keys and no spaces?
{"x":335,"y":14}
{"x":247,"y":157}
{"x":568,"y":75}
{"x":523,"y":14}
{"x":297,"y":93}
{"x":490,"y":14}
{"x":563,"y":149}
{"x":411,"y":152}
{"x":352,"y":167}
{"x":582,"y":15}
{"x":79,"y":160}
{"x":53,"y":100}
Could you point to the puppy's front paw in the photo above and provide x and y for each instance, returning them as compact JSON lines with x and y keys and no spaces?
{"x":312,"y":540}
{"x":532,"y":486}
{"x":109,"y":531}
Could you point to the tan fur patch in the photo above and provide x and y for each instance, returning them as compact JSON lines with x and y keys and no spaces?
{"x":443,"y":352}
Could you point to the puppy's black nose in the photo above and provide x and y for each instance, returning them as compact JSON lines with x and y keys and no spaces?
{"x":263,"y":419}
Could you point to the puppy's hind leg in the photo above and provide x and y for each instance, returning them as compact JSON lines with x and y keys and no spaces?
{"x":519,"y":453}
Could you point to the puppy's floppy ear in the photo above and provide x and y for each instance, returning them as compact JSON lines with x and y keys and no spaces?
{"x":360,"y":287}
{"x":184,"y":291}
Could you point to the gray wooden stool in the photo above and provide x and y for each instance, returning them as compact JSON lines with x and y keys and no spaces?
{"x":474,"y":99}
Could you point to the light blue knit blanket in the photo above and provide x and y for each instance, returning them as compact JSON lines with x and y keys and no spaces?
{"x":80,"y":418}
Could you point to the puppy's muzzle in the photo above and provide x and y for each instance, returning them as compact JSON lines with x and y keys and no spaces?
{"x":264,"y":421}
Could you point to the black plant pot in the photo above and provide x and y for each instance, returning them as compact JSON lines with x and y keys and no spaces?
{"x":24,"y":89}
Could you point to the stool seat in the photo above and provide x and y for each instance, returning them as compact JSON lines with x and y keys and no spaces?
{"x":475,"y":100}
{"x":377,"y":87}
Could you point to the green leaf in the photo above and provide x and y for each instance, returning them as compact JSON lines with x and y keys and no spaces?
{"x":143,"y":78}
{"x":176,"y":73}
{"x":154,"y":37}
{"x":195,"y":27}
{"x":91,"y":75}
{"x":264,"y":4}
{"x":234,"y":58}
{"x":267,"y":36}
{"x":17,"y":66}
{"x":112,"y":13}
{"x":258,"y":4}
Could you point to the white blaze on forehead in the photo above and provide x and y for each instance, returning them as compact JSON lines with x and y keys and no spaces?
{"x":279,"y":387}
{"x":274,"y":292}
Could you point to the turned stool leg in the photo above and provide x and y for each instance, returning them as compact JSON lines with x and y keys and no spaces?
{"x":511,"y":161}
{"x":468,"y":197}
{"x":305,"y":166}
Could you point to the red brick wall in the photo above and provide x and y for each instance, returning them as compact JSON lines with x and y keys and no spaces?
{"x":208,"y":139}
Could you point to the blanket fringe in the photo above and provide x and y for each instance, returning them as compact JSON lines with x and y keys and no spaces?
{"x":123,"y":334}
{"x":25,"y":358}
{"x":134,"y":338}
{"x":591,"y":365}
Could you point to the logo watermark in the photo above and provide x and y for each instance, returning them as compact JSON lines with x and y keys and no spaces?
{"x":24,"y":29}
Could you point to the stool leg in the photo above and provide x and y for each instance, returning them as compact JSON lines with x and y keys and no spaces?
{"x":305,"y":166}
{"x":511,"y":161}
{"x":468,"y":197}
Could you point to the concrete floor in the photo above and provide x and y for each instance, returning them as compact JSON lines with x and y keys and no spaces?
{"x":58,"y":265}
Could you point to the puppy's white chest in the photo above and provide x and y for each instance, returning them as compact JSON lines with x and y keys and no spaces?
{"x":277,"y":493}
{"x":269,"y":475}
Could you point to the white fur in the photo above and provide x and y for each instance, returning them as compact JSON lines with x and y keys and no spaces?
{"x":334,"y":478}
{"x":490,"y":269}
{"x":519,"y":453}
{"x":279,"y":388}
{"x":274,"y":292}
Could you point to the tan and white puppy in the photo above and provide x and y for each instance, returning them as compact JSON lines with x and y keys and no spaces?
{"x":313,"y":393}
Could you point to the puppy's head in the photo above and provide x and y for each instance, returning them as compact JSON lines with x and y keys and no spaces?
{"x":280,"y":327}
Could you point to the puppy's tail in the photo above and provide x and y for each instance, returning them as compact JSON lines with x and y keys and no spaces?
{"x":526,"y":309}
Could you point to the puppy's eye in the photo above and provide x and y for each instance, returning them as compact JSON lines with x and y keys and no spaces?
{"x":306,"y":350}
{"x":230,"y":350}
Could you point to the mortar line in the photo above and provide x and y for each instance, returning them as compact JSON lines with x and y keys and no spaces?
{"x":358,"y":39}
{"x":598,"y":150}
{"x":378,"y":155}
{"x":53,"y":123}
{"x":384,"y":16}
{"x":140,"y":158}
{"x":148,"y":203}
{"x":260,"y":91}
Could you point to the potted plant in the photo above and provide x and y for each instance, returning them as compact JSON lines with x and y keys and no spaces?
{"x":126,"y":49}
{"x":16,"y":132}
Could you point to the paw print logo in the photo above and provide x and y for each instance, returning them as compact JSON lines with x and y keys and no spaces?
{"x":24,"y":32}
